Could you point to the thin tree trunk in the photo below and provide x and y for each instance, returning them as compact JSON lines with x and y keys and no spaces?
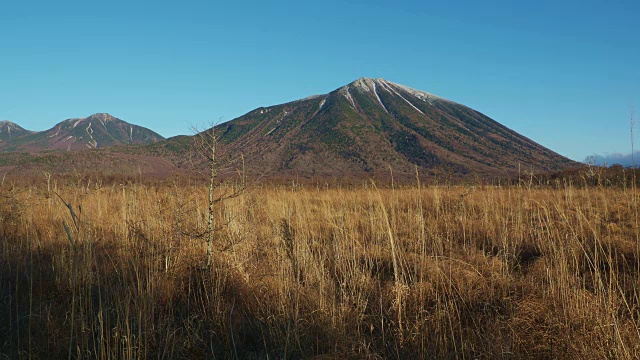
{"x":210,"y":222}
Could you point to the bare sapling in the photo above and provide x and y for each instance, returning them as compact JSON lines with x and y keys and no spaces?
{"x":206,"y":146}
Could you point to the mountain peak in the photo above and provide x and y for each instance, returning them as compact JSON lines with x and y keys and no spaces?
{"x":9,"y":125}
{"x":102,"y":116}
{"x":371,"y":124}
{"x":374,"y":85}
{"x":368,"y":79}
{"x":10,"y":130}
{"x":364,"y":83}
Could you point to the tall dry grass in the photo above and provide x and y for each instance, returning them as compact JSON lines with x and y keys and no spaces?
{"x":435,"y":272}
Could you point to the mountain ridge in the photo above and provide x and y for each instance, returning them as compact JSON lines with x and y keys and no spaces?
{"x":95,"y":131}
{"x":370,"y":127}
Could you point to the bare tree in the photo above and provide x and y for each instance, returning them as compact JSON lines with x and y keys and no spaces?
{"x":206,"y":148}
{"x":593,"y":170}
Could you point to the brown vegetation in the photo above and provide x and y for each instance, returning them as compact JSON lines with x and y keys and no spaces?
{"x":303,"y":272}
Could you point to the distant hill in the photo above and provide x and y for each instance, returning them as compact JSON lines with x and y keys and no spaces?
{"x":95,"y":131}
{"x":370,"y":125}
{"x":10,"y":131}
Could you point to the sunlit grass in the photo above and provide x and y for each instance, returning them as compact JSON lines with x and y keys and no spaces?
{"x":465,"y":272}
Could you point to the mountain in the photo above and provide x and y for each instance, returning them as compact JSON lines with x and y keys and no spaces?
{"x":368,"y":128}
{"x":372,"y":125}
{"x":95,"y":131}
{"x":9,"y":131}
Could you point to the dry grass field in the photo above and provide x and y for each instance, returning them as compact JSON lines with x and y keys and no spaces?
{"x":305,"y":272}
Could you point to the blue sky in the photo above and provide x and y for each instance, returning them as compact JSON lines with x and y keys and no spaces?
{"x":562,"y":73}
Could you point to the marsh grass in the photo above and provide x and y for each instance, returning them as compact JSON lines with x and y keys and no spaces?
{"x":426,"y":272}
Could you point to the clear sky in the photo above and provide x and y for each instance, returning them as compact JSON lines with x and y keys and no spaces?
{"x":562,"y":73}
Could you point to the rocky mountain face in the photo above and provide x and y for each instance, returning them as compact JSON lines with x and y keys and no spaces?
{"x":10,"y":131}
{"x":372,"y":125}
{"x":95,"y":131}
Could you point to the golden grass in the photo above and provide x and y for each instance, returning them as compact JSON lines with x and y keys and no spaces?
{"x":435,"y":272}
